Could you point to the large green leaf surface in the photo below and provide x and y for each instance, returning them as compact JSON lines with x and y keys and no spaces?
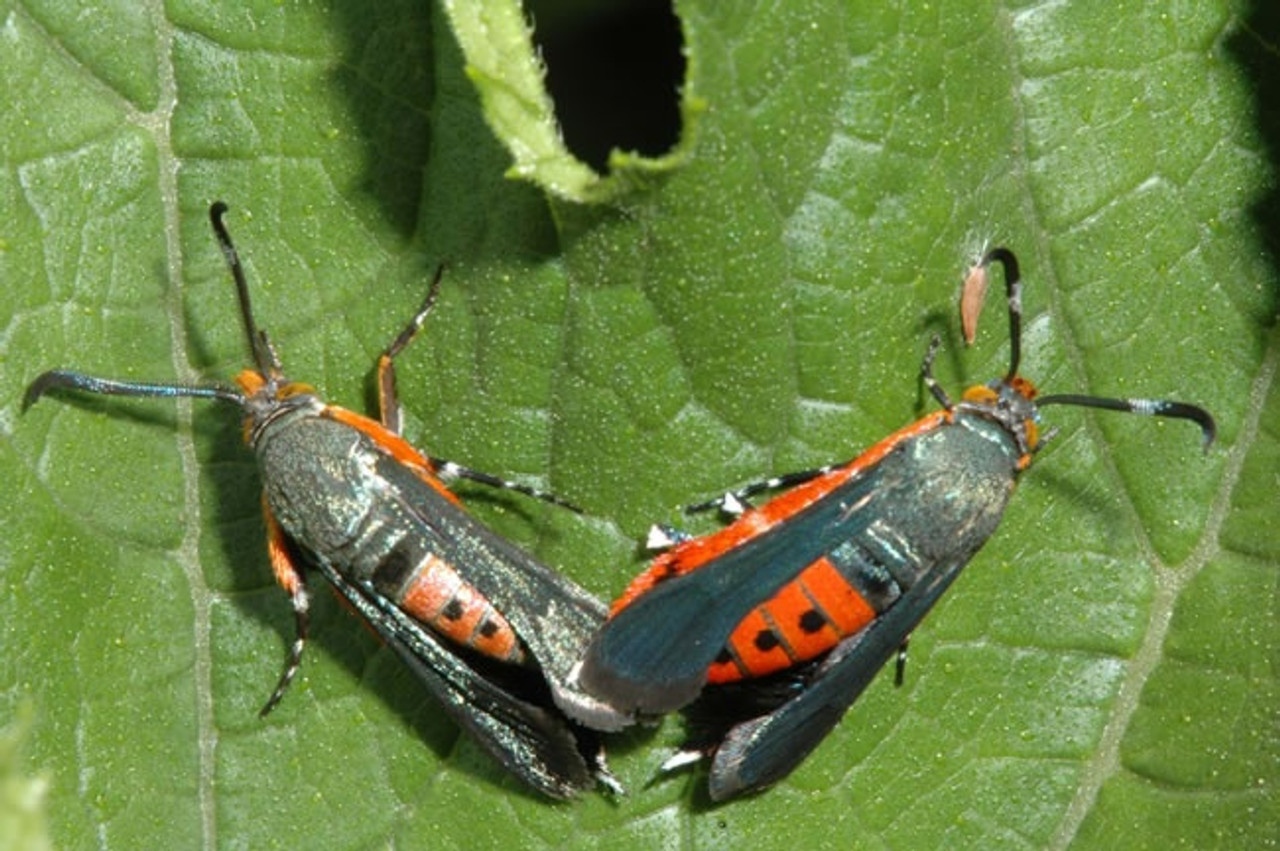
{"x":1106,"y":673}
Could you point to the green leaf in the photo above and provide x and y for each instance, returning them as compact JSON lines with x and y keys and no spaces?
{"x":1105,"y":674}
{"x":22,"y":815}
{"x":501,"y":61}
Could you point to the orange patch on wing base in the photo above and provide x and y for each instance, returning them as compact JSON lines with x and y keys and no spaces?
{"x":394,"y":445}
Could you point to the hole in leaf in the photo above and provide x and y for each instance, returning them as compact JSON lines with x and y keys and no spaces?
{"x":614,"y":71}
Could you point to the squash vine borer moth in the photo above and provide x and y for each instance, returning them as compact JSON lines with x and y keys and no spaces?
{"x":781,"y":619}
{"x":490,"y":631}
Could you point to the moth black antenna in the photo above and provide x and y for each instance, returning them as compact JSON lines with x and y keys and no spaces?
{"x":263,"y":356}
{"x":1013,"y":284}
{"x":1146,"y":407}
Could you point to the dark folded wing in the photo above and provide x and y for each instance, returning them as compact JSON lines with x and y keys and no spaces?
{"x":760,"y":752}
{"x":533,"y":742}
{"x":653,"y":655}
{"x":553,"y":616}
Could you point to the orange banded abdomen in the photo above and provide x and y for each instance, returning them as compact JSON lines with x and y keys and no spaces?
{"x":438,"y":597}
{"x":804,"y":619}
